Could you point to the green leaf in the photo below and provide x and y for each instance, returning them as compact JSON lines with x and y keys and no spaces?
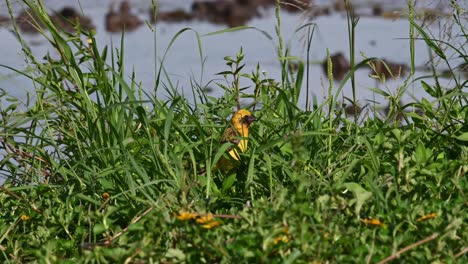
{"x":360,"y":193}
{"x":98,"y":229}
{"x":421,"y":154}
{"x":223,"y":73}
{"x":228,"y":182}
{"x":431,"y":43}
{"x":429,"y":89}
{"x":379,"y":91}
{"x":463,"y":137}
{"x":87,"y":198}
{"x":287,"y":149}
{"x":251,"y":170}
{"x":175,"y":254}
{"x":222,"y":151}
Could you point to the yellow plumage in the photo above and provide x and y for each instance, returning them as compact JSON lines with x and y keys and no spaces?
{"x":237,"y":134}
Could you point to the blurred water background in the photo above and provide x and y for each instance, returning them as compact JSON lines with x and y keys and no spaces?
{"x":383,"y":35}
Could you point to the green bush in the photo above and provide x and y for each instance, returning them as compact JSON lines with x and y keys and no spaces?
{"x":97,"y":170}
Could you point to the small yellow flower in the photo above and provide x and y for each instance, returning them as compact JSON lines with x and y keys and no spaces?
{"x":184,"y":216}
{"x":427,"y":217}
{"x":372,"y":221}
{"x":211,"y":224}
{"x":205,"y":219}
{"x":89,"y":40}
{"x":105,"y":196}
{"x":282,"y":238}
{"x":25,"y":217}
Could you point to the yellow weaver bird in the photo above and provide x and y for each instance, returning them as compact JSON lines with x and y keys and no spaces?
{"x":237,"y":134}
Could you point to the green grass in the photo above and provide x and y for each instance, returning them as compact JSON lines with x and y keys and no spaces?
{"x":97,"y":170}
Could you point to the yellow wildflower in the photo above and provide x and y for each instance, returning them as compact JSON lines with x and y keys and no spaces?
{"x":25,"y":217}
{"x":105,"y":196}
{"x":372,"y":221}
{"x":184,"y":216}
{"x":205,"y":219}
{"x":282,"y":238}
{"x":426,"y":217}
{"x":211,"y":224}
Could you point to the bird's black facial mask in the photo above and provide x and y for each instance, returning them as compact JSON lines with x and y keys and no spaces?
{"x":249,"y":119}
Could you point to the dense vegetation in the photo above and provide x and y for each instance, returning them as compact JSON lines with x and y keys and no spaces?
{"x":98,"y":170}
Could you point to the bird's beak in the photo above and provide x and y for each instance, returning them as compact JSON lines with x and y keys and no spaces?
{"x":250,"y":119}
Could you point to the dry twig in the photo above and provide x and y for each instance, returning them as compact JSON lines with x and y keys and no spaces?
{"x":403,"y":250}
{"x":462,"y":252}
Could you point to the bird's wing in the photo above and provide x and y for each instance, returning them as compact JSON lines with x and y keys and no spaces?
{"x":230,"y":135}
{"x":226,"y":162}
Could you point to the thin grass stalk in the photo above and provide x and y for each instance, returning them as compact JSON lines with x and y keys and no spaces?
{"x":24,"y":46}
{"x":121,"y":69}
{"x":330,"y":108}
{"x":310,"y":34}
{"x":352,"y":23}
{"x":411,"y":36}
{"x":280,"y":43}
{"x":411,"y":40}
{"x":154,"y":5}
{"x":236,"y":84}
